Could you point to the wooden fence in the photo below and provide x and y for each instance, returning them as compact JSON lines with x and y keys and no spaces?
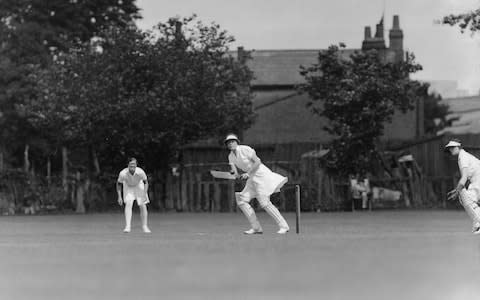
{"x":195,"y":190}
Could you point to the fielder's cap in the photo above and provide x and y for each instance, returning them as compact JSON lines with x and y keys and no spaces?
{"x":231,"y":137}
{"x":453,"y":144}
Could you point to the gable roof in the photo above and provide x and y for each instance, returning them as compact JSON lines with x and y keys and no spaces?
{"x":467,"y":110}
{"x":282,"y":67}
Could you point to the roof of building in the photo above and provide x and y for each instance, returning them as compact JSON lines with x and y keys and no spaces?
{"x":282,"y":67}
{"x":466,"y":111}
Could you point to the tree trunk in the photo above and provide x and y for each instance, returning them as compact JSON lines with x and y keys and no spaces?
{"x":80,"y":195}
{"x":96,"y":164}
{"x":65,"y":170}
{"x":49,"y":171}
{"x":26,"y":161}
{"x":1,"y":159}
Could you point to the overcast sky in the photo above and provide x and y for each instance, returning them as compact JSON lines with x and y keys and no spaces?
{"x":442,"y":50}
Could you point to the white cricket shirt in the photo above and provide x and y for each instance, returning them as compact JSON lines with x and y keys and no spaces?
{"x":242,"y":157}
{"x":132,"y":180}
{"x":470,"y":165}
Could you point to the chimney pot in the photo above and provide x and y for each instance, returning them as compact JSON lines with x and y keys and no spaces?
{"x":396,"y":22}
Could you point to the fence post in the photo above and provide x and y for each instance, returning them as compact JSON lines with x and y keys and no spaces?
{"x":206,"y":195}
{"x":198,"y":194}
{"x":283,"y":205}
{"x":183,"y":192}
{"x":190,"y":193}
{"x":443,"y":190}
{"x":216,"y":196}
{"x":231,"y":194}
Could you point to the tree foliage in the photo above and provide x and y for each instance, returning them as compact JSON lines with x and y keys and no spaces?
{"x":32,"y":34}
{"x":466,"y":21}
{"x":35,"y":28}
{"x":435,"y":112}
{"x":145,"y":93}
{"x":358,"y":96}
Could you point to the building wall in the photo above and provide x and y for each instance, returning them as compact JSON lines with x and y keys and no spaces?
{"x":285,"y":121}
{"x":289,"y":121}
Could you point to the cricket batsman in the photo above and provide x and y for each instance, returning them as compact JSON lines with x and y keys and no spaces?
{"x":261,"y":183}
{"x":135,"y":188}
{"x":469,"y":167}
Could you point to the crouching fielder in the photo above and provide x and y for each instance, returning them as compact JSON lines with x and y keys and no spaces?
{"x":135,"y":188}
{"x":469,"y":167}
{"x":261,"y":183}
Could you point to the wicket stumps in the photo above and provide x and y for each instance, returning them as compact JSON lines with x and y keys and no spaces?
{"x":297,"y":208}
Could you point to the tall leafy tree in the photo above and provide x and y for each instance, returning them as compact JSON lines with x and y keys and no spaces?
{"x":33,"y":33}
{"x":145,"y":93}
{"x":358,"y":96}
{"x":465,"y":21}
{"x":435,"y":112}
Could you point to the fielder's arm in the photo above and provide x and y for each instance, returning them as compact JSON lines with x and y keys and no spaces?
{"x":462,"y":181}
{"x":453,"y":194}
{"x":119,"y":192}
{"x":145,"y":182}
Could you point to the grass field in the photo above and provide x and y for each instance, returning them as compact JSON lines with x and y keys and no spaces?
{"x":378,"y":255}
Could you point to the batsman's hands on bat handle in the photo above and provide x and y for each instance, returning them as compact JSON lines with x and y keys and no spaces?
{"x":452,"y":195}
{"x":120,"y":201}
{"x":244,"y":176}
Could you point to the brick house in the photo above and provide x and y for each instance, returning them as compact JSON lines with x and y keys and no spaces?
{"x":284,"y":128}
{"x":282,"y":116}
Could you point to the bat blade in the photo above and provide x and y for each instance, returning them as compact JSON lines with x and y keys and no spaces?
{"x":222,"y":175}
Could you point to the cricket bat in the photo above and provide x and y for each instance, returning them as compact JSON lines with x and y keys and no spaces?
{"x":222,"y":175}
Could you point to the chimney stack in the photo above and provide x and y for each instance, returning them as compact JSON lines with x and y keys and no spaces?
{"x":396,"y":22}
{"x":379,"y":33}
{"x":368,"y":33}
{"x":377,"y":42}
{"x":396,"y":38}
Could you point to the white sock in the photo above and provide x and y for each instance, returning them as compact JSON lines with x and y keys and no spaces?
{"x":250,"y":214}
{"x":275,"y":214}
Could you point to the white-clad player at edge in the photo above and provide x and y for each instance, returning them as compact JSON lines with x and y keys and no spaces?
{"x":135,"y":188}
{"x":469,"y":197}
{"x":261,"y":183}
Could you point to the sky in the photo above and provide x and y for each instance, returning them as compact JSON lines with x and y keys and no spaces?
{"x":443,"y":51}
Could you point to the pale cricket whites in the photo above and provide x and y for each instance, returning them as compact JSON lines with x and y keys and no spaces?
{"x":469,"y":167}
{"x":261,"y":182}
{"x":135,"y":188}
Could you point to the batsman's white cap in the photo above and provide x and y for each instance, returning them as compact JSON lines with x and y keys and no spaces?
{"x":231,"y":137}
{"x":453,"y":144}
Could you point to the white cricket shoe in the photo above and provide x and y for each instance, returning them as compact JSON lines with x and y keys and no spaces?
{"x":476,"y":228}
{"x":283,"y":230}
{"x":253,"y":231}
{"x":126,"y":230}
{"x":146,"y":229}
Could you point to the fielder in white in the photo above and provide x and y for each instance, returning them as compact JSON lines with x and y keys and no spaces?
{"x":469,"y":197}
{"x":261,"y":183}
{"x":135,"y":188}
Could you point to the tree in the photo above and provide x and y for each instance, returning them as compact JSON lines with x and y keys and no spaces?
{"x":466,"y":21}
{"x":358,"y":96}
{"x":32,"y":34}
{"x":435,"y":112}
{"x":145,"y":93}
{"x":34,"y":29}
